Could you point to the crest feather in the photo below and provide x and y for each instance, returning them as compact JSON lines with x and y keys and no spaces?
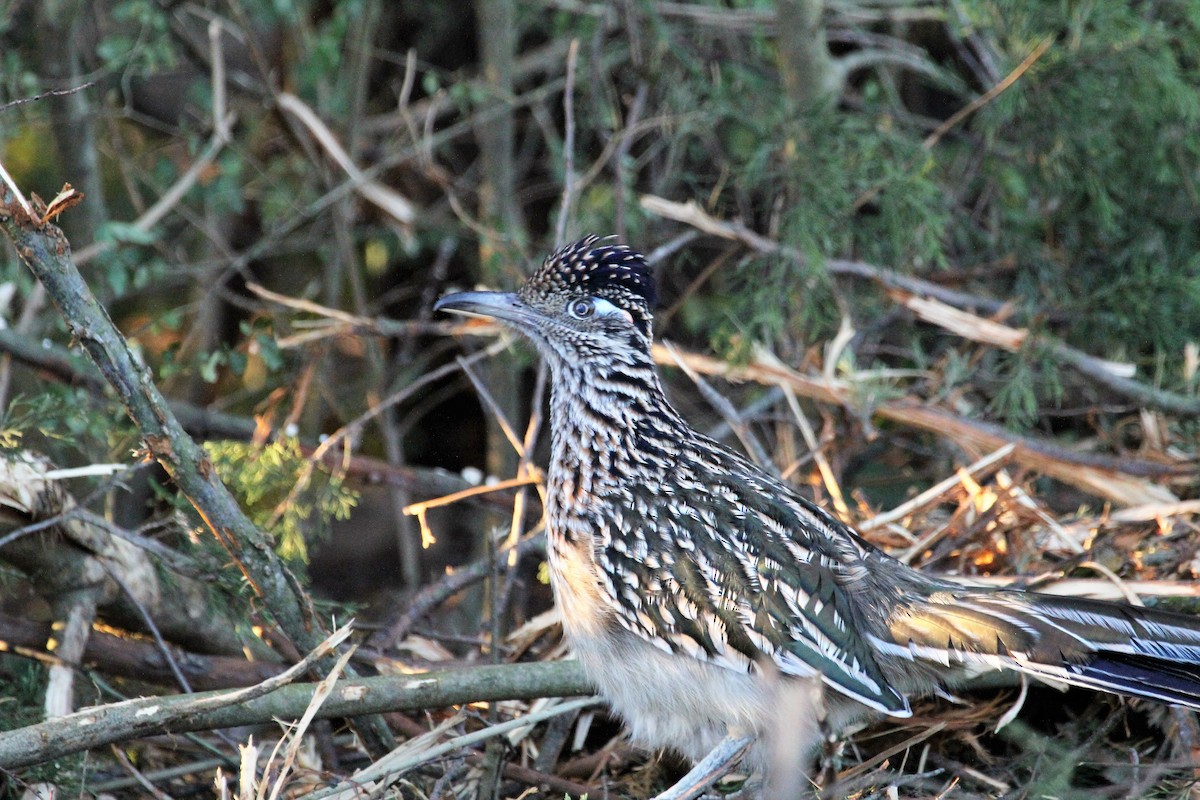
{"x":614,"y":272}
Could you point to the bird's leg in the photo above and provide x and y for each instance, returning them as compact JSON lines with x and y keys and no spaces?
{"x":708,"y":769}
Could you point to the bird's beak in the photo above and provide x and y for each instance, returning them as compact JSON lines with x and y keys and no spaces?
{"x":504,"y":306}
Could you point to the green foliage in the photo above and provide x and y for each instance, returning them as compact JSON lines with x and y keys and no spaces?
{"x":141,"y":42}
{"x":23,"y":690}
{"x":1082,"y":174}
{"x":1095,"y":155}
{"x":62,"y":422}
{"x":274,"y":486}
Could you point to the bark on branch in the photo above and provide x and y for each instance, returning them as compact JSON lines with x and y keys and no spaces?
{"x":149,"y":716}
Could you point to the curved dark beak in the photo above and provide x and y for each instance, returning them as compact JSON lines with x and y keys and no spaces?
{"x":504,"y":306}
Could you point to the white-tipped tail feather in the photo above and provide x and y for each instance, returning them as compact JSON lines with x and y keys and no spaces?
{"x":1138,"y":652}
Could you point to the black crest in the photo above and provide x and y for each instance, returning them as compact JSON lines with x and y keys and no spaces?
{"x":614,"y":272}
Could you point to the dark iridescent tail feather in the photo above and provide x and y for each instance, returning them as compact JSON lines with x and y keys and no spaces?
{"x":1128,"y":650}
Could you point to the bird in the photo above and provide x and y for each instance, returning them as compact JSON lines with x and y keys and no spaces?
{"x":721,"y":613}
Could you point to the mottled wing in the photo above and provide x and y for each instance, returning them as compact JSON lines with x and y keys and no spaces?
{"x":735,"y":570}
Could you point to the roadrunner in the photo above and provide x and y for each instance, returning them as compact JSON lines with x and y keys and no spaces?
{"x":719,"y":611}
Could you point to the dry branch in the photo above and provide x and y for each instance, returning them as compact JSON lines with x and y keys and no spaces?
{"x":386,"y":199}
{"x":425,"y":749}
{"x":137,"y":658}
{"x":430,"y":596}
{"x":203,"y":711}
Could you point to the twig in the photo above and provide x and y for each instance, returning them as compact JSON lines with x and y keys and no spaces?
{"x":1116,"y":580}
{"x":320,"y":452}
{"x":159,"y":642}
{"x":418,"y":509}
{"x":1096,"y":588}
{"x":990,"y":95}
{"x":567,"y":201}
{"x":512,"y":483}
{"x":492,"y":404}
{"x":1156,"y":511}
{"x":133,"y":657}
{"x":979,"y":102}
{"x":691,"y":214}
{"x":1117,"y":377}
{"x":730,"y":414}
{"x":164,"y":205}
{"x":221,"y":123}
{"x":526,"y":468}
{"x":180,"y":771}
{"x":880,"y":757}
{"x":622,"y":153}
{"x":12,"y":186}
{"x":1021,"y":498}
{"x":296,"y":734}
{"x":814,"y":447}
{"x":387,"y":200}
{"x":20,"y":101}
{"x":148,"y":716}
{"x":1015,"y":709}
{"x":138,"y":777}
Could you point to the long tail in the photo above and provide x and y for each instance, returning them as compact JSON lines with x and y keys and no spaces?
{"x":1139,"y":652}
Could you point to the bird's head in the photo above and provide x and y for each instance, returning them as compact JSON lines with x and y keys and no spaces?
{"x":586,"y":301}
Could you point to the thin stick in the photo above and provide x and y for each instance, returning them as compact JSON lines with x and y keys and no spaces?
{"x":1119,"y":479}
{"x":220,"y":121}
{"x":493,"y":406}
{"x":1095,"y":588}
{"x":296,"y":735}
{"x":564,"y":211}
{"x":127,"y":765}
{"x":12,"y":186}
{"x":730,"y":414}
{"x":386,"y":199}
{"x":318,"y":454}
{"x":431,"y":595}
{"x":990,"y":95}
{"x":148,"y":620}
{"x":525,"y":467}
{"x":814,"y":447}
{"x":419,"y":508}
{"x":171,"y":198}
{"x":20,"y":101}
{"x":934,"y":493}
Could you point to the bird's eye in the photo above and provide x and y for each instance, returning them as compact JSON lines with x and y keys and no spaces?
{"x":581,"y":308}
